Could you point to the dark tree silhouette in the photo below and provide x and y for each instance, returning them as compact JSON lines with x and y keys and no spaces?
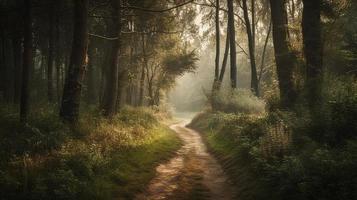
{"x":311,"y":31}
{"x":284,"y":57}
{"x":111,"y":87}
{"x":73,"y":85}
{"x":27,"y":60}
{"x":218,"y":47}
{"x":232,"y":39}
{"x":251,"y":44}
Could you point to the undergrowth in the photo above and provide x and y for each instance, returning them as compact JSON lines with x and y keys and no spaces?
{"x":98,"y":159}
{"x":296,"y":155}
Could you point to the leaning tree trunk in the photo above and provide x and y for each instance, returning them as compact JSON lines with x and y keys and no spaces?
{"x":73,"y":85}
{"x":27,"y":61}
{"x":251,"y":45}
{"x":232,"y":35}
{"x":311,"y":31}
{"x":224,"y":63}
{"x":111,"y":87}
{"x":284,"y":57}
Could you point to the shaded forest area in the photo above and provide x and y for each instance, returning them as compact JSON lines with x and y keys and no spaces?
{"x":88,"y":89}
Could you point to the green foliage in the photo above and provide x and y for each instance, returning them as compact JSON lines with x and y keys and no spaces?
{"x":238,"y":101}
{"x":270,"y":157}
{"x":179,"y":64}
{"x":104,"y":159}
{"x":333,"y":121}
{"x":43,"y":132}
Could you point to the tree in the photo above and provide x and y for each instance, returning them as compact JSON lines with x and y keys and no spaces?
{"x":311,"y":32}
{"x":51,"y":43}
{"x":224,"y":63}
{"x":27,"y":61}
{"x":112,"y":88}
{"x":73,"y":85}
{"x":232,"y":43}
{"x":250,"y":28}
{"x":284,"y":57}
{"x":218,"y":47}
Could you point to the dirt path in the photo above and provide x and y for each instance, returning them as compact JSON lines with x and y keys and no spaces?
{"x":192,"y":174}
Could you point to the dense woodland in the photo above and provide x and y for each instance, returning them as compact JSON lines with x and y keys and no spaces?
{"x":88,"y":89}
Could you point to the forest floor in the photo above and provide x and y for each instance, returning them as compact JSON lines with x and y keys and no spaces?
{"x":192,"y":174}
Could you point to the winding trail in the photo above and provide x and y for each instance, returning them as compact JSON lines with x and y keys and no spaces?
{"x":192,"y":174}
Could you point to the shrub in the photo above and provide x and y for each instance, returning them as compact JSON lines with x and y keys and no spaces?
{"x":238,"y":101}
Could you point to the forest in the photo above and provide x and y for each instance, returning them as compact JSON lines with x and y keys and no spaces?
{"x":178,"y":99}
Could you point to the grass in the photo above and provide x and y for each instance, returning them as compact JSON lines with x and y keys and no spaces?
{"x":270,"y":157}
{"x":218,"y":134}
{"x":137,"y":166}
{"x":97,"y":159}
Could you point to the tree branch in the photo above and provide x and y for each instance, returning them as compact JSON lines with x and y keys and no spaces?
{"x":242,"y":49}
{"x":157,"y":11}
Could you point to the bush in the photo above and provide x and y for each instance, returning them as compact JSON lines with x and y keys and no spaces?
{"x":238,"y":101}
{"x":271,"y":155}
{"x":46,"y":159}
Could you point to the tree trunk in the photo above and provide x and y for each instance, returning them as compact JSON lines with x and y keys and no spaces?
{"x":251,"y":45}
{"x":263,"y":53}
{"x":224,"y":63}
{"x":142,"y":77}
{"x":91,"y":93}
{"x":111,"y":89}
{"x":284,"y":57}
{"x":232,"y":35}
{"x":218,"y":47}
{"x":27,"y":61}
{"x":311,"y":31}
{"x":73,"y":85}
{"x":51,"y":41}
{"x":58,"y":58}
{"x":17,"y":45}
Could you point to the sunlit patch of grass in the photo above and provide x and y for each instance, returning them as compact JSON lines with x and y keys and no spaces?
{"x":97,"y":159}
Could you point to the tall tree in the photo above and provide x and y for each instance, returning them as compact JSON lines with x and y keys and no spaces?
{"x":232,"y":42}
{"x":17,"y":48}
{"x":218,"y":47}
{"x":311,"y":31}
{"x":27,"y":61}
{"x":111,"y":90}
{"x":51,"y":43}
{"x":143,"y":74}
{"x":73,"y":85}
{"x":250,"y":28}
{"x":224,"y":62}
{"x":284,"y":57}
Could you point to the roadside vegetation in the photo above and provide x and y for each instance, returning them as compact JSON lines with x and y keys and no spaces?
{"x":294,"y":154}
{"x":96,"y":159}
